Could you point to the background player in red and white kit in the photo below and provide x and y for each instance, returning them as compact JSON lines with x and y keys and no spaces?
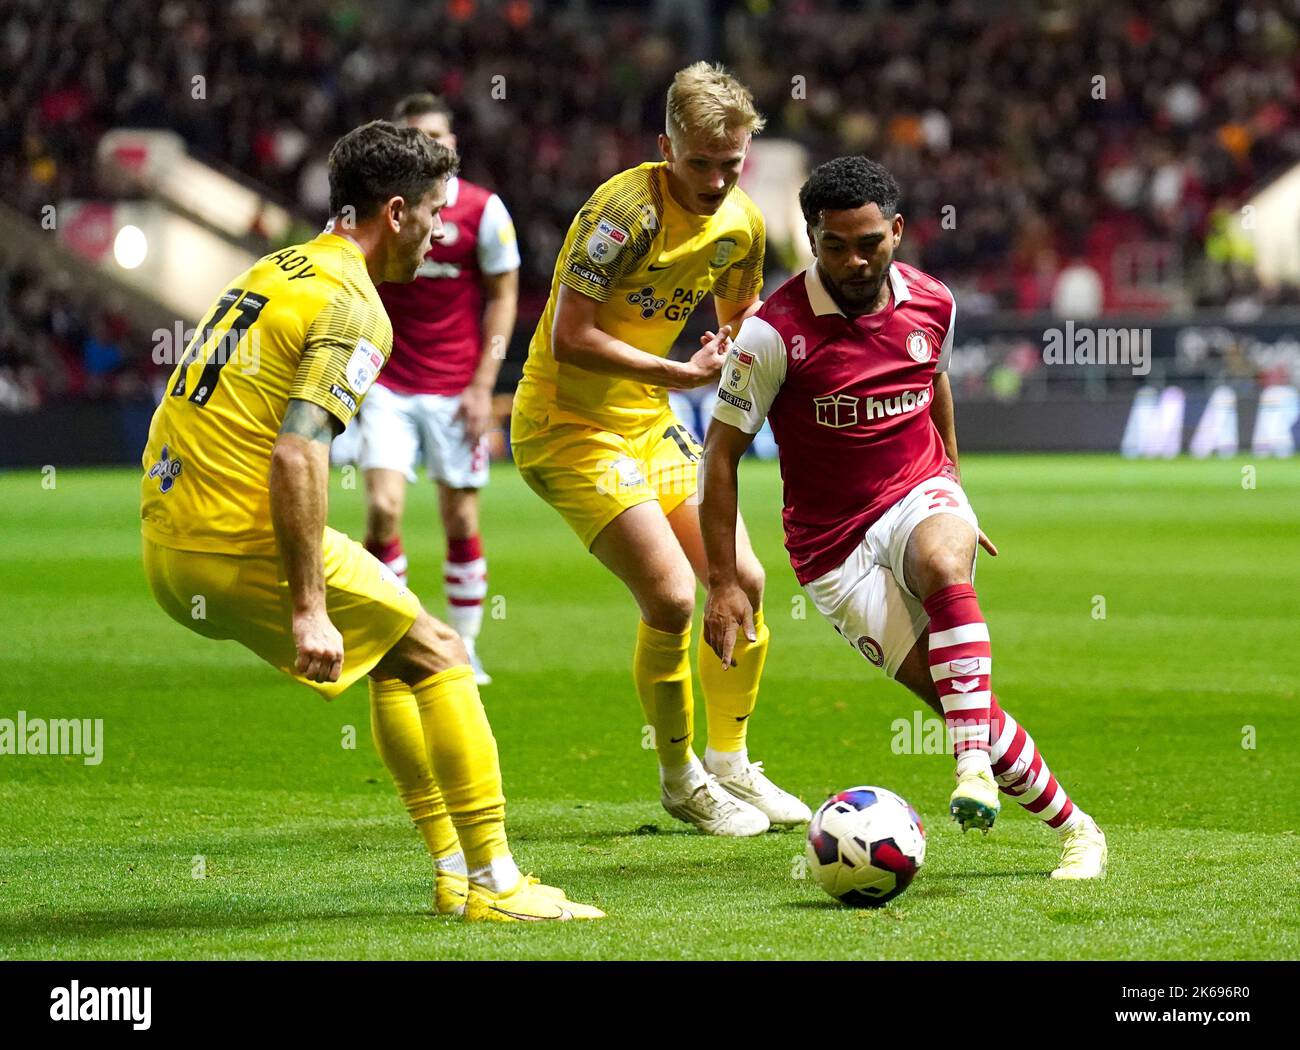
{"x":848,"y":361}
{"x":451,"y":327}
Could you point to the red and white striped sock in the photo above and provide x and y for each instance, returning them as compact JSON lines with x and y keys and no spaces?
{"x":960,"y":665}
{"x":1021,"y":772}
{"x":391,"y":554}
{"x":464,"y":577}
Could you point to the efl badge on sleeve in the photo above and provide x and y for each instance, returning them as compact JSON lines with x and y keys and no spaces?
{"x":363,"y":366}
{"x":739,"y":365}
{"x":606,"y":242}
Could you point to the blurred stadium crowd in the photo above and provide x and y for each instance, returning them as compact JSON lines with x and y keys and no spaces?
{"x":991,"y":110}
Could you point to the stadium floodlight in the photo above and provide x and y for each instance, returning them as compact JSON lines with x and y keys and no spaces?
{"x":130,"y":247}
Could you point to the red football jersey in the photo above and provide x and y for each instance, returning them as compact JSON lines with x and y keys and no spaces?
{"x":438,"y":317}
{"x":849,"y":403}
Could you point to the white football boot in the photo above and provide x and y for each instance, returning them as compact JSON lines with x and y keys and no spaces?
{"x":750,"y":784}
{"x":1083,"y":852}
{"x":715,"y":811}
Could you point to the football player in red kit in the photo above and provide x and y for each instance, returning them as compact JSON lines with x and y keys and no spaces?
{"x":433,"y":401}
{"x":848,"y":361}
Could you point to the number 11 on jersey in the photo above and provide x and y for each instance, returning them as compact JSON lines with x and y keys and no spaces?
{"x":250,"y":307}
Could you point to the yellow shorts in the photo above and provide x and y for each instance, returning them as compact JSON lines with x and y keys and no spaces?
{"x":246,"y":599}
{"x":591,"y":476}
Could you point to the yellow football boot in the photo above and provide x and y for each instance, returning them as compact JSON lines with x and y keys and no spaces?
{"x":450,"y":888}
{"x":529,"y":901}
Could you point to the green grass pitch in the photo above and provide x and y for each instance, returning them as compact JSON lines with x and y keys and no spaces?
{"x":1172,"y":719}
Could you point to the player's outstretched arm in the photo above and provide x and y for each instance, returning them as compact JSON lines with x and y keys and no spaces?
{"x":299,"y":485}
{"x":576,"y":340}
{"x":945,"y":421}
{"x":727,"y":608}
{"x":735,"y":314}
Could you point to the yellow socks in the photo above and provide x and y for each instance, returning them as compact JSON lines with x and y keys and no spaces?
{"x":730,"y":695}
{"x":399,"y":739}
{"x":463,"y":755}
{"x":662,"y":670}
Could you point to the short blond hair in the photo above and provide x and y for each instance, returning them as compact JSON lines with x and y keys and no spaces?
{"x":707,"y":99}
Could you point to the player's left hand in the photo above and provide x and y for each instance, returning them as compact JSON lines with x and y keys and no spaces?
{"x":476,"y":411}
{"x":987,"y":544}
{"x":726,"y":611}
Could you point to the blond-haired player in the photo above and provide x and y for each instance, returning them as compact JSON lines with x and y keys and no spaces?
{"x":593,"y":435}
{"x":234,"y":495}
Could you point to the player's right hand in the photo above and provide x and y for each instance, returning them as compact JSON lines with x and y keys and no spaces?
{"x":319,"y":646}
{"x":706,"y":363}
{"x":727,"y":612}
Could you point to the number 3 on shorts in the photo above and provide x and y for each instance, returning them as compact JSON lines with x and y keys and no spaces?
{"x":941,"y":498}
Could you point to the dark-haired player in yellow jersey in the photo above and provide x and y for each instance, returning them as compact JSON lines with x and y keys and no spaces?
{"x":593,"y":435}
{"x":234,"y":494}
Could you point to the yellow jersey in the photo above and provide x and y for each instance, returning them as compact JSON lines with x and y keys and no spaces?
{"x":304,"y":322}
{"x":649,"y":263}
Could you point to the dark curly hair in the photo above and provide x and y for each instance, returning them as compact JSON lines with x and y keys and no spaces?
{"x":848,"y":182}
{"x":379,"y":160}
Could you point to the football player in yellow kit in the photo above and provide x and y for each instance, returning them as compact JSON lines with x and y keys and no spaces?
{"x":593,"y":435}
{"x":233,"y":502}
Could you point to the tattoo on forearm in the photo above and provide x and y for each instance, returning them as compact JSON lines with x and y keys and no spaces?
{"x":309,"y":421}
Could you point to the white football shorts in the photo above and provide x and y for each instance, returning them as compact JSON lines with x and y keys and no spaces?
{"x":866,"y":598}
{"x":397,"y":429}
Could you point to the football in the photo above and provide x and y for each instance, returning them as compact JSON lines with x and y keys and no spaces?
{"x":865,"y":845}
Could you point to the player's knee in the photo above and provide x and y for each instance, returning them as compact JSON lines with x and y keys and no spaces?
{"x":384,"y":517}
{"x":944,"y":569}
{"x":452,"y":647}
{"x":445,"y":647}
{"x":428,"y":648}
{"x":670,"y":609}
{"x":460,"y":523}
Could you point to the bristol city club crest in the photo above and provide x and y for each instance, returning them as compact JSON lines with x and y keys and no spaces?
{"x":870,"y":648}
{"x":918,"y":346}
{"x":841,"y":410}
